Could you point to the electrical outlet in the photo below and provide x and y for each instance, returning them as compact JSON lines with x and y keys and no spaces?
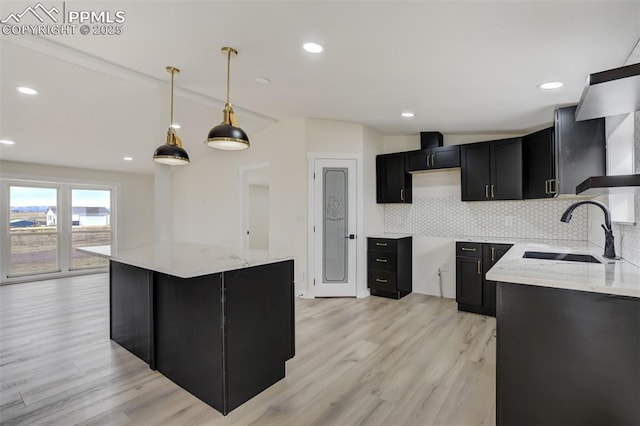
{"x":444,"y":267}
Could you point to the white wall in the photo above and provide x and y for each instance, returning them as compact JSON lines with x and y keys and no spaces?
{"x":134,"y":212}
{"x":206,"y":205}
{"x":205,"y":194}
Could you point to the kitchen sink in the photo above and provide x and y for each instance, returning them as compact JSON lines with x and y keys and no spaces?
{"x":568,"y":257}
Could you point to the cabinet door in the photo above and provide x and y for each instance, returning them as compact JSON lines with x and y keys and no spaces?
{"x":415,"y":161}
{"x":445,"y":157}
{"x":491,"y":253}
{"x":475,"y":173}
{"x":392,"y":183}
{"x":469,"y":280}
{"x":581,"y":151}
{"x":538,"y":164}
{"x":506,"y":169}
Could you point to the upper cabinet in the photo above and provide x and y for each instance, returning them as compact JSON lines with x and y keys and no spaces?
{"x":441,"y":157}
{"x":580,"y":150}
{"x":559,"y":158}
{"x":539,"y":172}
{"x":492,"y":170}
{"x":393,"y":184}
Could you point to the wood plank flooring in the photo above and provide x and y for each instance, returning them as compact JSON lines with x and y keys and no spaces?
{"x":373,"y":361}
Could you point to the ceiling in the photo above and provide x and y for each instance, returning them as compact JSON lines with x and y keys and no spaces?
{"x":461,"y":66}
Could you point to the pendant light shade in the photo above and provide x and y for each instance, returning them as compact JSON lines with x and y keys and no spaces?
{"x":171,"y":153}
{"x":227,"y":135}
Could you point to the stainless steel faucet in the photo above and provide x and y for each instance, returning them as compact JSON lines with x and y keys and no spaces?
{"x":609,"y":249}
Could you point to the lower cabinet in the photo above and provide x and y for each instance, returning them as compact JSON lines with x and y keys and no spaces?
{"x":474,"y":293}
{"x":566,"y":357}
{"x":389,"y":266}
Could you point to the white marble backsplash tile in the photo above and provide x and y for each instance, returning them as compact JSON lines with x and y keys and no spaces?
{"x":450,"y":217}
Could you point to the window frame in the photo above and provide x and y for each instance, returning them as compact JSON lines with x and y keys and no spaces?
{"x":65,"y":244}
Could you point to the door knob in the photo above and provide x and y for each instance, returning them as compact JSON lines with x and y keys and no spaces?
{"x":351,"y":236}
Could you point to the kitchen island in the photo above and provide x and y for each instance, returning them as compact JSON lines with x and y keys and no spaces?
{"x":568,"y":339}
{"x":217,"y":322}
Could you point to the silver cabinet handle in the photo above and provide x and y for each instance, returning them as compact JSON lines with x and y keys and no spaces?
{"x":486,"y":191}
{"x":382,"y":260}
{"x":553,"y":186}
{"x":493,"y":254}
{"x":433,"y":163}
{"x":467,"y":249}
{"x":546,"y":187}
{"x":380,"y":280}
{"x":428,"y":165}
{"x":381,"y":244}
{"x":402,"y":195}
{"x":492,"y":194}
{"x":479,"y":268}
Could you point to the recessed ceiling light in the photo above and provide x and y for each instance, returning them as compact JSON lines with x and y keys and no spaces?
{"x":128,"y":158}
{"x":550,"y":85}
{"x":312,"y":47}
{"x":407,"y":114}
{"x":175,"y":126}
{"x":27,"y":90}
{"x":7,"y":142}
{"x":262,"y":80}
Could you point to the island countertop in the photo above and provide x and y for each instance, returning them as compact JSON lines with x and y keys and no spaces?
{"x":188,"y":260}
{"x":616,"y":277}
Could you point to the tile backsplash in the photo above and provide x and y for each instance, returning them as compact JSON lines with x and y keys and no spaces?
{"x":448,"y":216}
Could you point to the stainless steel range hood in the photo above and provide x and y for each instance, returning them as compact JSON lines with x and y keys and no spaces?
{"x":598,"y":185}
{"x":612,"y":92}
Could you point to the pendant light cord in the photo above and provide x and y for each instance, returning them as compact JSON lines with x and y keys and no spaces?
{"x":228,"y":72}
{"x":172,"y":74}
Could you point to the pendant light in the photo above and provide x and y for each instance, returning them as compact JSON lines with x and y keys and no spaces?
{"x":171,"y":153}
{"x":227,"y":135}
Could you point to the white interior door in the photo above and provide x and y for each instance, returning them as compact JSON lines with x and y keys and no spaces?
{"x":258,"y":229}
{"x":334,"y":222}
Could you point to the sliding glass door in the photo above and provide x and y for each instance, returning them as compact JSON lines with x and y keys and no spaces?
{"x":90,"y":226}
{"x":34,"y":238}
{"x":44,"y":225}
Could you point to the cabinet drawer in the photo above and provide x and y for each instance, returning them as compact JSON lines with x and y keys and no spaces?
{"x":469,"y":249}
{"x":381,"y":280}
{"x":382,"y":244}
{"x":382,"y":260}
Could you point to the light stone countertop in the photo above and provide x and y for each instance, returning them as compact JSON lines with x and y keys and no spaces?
{"x":614,"y":277}
{"x":390,"y":236}
{"x":187,"y":260}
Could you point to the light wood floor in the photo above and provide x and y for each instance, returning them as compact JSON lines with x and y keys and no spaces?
{"x":374,"y":361}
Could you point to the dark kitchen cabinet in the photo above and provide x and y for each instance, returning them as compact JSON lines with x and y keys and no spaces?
{"x":474,"y":293}
{"x":469,"y":292}
{"x":559,"y":158}
{"x":393,"y":183}
{"x":580,"y":150}
{"x":491,"y":253}
{"x":539,"y":171}
{"x":492,"y":170}
{"x":566,"y":357}
{"x":389,"y":264}
{"x":442,"y":157}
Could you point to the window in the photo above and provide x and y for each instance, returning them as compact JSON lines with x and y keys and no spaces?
{"x":44,"y":224}
{"x":34,"y":238}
